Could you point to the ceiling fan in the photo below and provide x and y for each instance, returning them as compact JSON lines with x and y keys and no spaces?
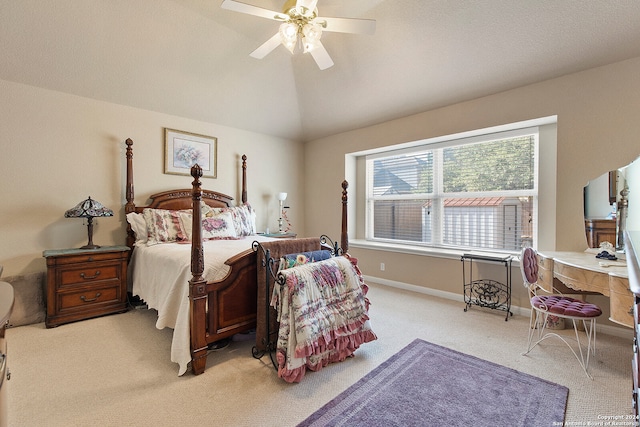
{"x":301,"y":28}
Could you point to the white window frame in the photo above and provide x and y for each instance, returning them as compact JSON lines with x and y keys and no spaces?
{"x":437,"y":219}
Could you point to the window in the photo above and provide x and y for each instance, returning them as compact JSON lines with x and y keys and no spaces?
{"x":476,"y":194}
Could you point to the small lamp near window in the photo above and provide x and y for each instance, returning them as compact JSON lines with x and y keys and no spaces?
{"x":89,"y":209}
{"x":281,"y":198}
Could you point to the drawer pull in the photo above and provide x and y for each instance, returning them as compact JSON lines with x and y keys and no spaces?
{"x":90,"y":277}
{"x":85,"y":299}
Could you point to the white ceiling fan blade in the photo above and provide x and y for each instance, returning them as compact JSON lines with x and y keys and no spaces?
{"x":237,"y":6}
{"x":321,"y":56}
{"x":348,"y":25}
{"x":306,"y":7}
{"x":267,"y":47}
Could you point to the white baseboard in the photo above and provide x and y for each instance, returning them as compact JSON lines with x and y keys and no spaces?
{"x":621,"y":332}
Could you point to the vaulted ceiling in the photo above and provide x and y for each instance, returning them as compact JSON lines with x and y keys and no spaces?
{"x":190,"y":58}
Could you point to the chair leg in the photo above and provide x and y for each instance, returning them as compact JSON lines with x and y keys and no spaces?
{"x":534,"y":326}
{"x":590,"y":331}
{"x":537,"y":326}
{"x":538,"y":321}
{"x":584,"y":362}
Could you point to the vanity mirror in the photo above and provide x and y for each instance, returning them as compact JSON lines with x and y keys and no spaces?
{"x":610,"y":208}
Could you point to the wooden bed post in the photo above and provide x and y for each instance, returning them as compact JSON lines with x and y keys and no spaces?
{"x":197,"y":284}
{"x":244,"y":179}
{"x":344,"y":236}
{"x":130,"y":206}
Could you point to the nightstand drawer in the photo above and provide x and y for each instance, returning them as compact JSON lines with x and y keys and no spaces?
{"x":86,"y":257}
{"x":84,"y":298}
{"x":85,"y":283}
{"x":88,"y":274}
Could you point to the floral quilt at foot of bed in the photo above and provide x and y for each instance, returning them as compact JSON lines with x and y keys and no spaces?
{"x":323,"y":313}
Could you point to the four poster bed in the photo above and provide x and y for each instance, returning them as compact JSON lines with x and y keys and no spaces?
{"x":194,"y":260}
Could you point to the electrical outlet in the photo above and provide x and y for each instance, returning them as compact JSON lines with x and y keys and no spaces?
{"x":382,"y":266}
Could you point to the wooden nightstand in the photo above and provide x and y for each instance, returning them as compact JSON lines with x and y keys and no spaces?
{"x":85,"y":283}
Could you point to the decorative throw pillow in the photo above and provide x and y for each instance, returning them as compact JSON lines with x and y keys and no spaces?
{"x":186,"y":218}
{"x":244,"y":219}
{"x":163,"y":226}
{"x":186,"y":221}
{"x":216,"y":225}
{"x":139,"y":227}
{"x":29,"y":305}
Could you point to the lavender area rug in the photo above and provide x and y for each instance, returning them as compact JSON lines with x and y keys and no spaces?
{"x":429,"y":385}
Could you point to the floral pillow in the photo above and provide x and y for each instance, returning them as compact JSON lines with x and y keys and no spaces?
{"x":216,"y":225}
{"x":219,"y":226}
{"x":244,"y":219}
{"x":163,"y":226}
{"x":186,"y":217}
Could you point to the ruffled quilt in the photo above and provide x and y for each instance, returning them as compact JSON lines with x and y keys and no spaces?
{"x":323,"y":314}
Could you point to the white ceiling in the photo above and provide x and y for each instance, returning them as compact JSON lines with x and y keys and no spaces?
{"x":191,"y":58}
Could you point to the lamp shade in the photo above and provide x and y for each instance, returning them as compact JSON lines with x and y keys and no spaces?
{"x":282,"y":196}
{"x":88,"y":208}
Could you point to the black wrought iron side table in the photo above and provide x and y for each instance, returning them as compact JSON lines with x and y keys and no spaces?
{"x":486,"y":292}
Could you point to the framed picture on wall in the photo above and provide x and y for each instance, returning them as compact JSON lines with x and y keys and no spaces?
{"x":184,"y":149}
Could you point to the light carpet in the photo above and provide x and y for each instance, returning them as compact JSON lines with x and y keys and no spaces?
{"x":116,"y":370}
{"x":426,"y":384}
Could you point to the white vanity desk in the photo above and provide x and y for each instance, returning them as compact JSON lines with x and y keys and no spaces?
{"x":584,"y":273}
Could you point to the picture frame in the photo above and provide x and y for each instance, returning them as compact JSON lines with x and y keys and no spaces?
{"x":184,"y":149}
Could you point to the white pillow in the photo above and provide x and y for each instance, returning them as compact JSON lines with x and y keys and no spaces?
{"x":139,"y":227}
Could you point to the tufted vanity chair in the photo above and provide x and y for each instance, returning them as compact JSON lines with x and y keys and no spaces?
{"x":572,"y":310}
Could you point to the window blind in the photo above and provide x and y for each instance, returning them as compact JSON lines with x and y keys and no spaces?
{"x":471,"y":194}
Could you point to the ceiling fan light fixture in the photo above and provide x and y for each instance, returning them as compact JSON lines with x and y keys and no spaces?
{"x":312,"y":30}
{"x":301,"y":28}
{"x":312,"y":33}
{"x":289,"y":35}
{"x":309,"y":45}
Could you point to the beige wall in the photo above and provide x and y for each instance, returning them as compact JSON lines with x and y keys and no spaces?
{"x":597,"y":131}
{"x":57,"y":149}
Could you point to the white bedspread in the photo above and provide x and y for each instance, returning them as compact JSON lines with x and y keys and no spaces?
{"x":160,"y":275}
